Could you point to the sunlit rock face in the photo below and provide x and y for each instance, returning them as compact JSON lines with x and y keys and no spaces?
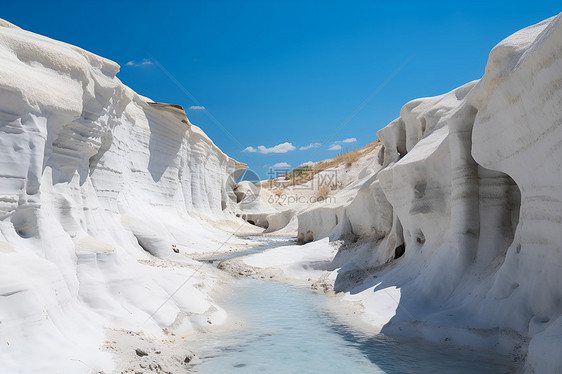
{"x":465,"y":215}
{"x":94,"y":181}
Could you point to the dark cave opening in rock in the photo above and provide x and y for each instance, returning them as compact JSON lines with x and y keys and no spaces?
{"x":399,"y":251}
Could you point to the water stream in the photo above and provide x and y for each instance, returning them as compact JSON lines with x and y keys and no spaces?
{"x":287,"y":329}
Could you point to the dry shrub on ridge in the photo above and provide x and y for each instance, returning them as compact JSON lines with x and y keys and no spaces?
{"x":304,"y":174}
{"x":323,"y":192}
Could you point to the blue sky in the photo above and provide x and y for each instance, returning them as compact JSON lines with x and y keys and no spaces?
{"x":281,"y":74}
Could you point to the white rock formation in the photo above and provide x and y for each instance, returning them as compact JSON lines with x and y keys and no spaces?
{"x":95,"y":180}
{"x":458,"y":217}
{"x":465,"y":216}
{"x":280,"y":201}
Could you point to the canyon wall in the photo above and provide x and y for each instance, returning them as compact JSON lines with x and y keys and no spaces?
{"x":463,"y":223}
{"x":97,"y":186}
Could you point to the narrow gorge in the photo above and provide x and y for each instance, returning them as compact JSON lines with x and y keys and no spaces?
{"x":129,"y":242}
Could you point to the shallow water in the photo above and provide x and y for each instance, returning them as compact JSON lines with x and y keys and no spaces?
{"x":286,"y":329}
{"x":268,"y":243}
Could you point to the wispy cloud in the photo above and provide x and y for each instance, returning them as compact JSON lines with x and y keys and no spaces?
{"x":311,"y":145}
{"x":196,"y":107}
{"x":348,"y":140}
{"x":145,"y":61}
{"x":281,"y":165}
{"x":280,"y":148}
{"x":308,"y":163}
{"x":336,"y":147}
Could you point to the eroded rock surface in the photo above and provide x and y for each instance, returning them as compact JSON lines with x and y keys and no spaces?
{"x":465,"y":215}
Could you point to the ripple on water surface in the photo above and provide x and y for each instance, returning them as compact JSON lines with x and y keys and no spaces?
{"x":286,"y":330}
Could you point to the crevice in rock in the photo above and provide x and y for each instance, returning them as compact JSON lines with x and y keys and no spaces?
{"x":500,"y":203}
{"x":144,"y":248}
{"x":380,"y":156}
{"x":105,"y":144}
{"x":420,"y":237}
{"x":399,"y":251}
{"x":397,"y":244}
{"x":422,"y":125}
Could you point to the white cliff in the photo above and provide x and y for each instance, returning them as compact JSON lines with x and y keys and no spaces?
{"x":459,"y":232}
{"x":97,"y":184}
{"x":449,"y":230}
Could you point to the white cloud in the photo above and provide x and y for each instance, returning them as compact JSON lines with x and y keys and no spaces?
{"x":308,"y":163}
{"x":196,"y":107}
{"x":336,"y":147}
{"x":281,"y":165}
{"x":145,"y":61}
{"x":280,"y":148}
{"x":311,"y":145}
{"x":348,"y":140}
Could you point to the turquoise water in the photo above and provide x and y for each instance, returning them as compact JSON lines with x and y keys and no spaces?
{"x":286,"y":329}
